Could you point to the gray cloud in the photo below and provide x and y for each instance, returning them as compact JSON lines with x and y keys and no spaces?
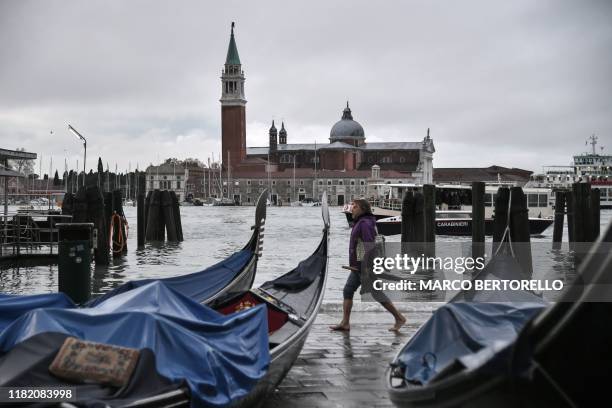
{"x":518,"y":83}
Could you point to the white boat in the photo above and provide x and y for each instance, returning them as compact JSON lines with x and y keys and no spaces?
{"x":592,"y":168}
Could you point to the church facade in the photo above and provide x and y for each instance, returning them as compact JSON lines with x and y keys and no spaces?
{"x":347,"y":167}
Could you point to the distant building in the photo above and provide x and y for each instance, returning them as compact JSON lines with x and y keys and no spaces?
{"x":491,"y":174}
{"x":344,"y":167}
{"x":167,"y":176}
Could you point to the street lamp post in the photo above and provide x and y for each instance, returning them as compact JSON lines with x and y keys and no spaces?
{"x":80,"y":136}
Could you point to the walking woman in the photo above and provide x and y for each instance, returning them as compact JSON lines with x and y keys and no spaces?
{"x":364,"y":230}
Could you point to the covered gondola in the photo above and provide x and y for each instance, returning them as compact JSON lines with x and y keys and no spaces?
{"x":514,"y":350}
{"x":292,"y":302}
{"x":234,"y":274}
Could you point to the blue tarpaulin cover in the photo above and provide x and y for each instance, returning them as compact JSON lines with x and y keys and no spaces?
{"x":467,"y":333}
{"x":220,"y":357}
{"x":199,"y":286}
{"x":472,"y":329}
{"x":13,"y":306}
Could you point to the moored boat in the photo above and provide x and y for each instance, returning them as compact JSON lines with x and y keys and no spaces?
{"x":456,"y":226}
{"x":234,"y":274}
{"x":292,"y":301}
{"x":515,"y":352}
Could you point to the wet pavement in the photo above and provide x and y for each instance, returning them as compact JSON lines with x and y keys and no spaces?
{"x":338,"y":369}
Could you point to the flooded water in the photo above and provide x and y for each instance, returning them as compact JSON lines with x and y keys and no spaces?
{"x":213,"y":233}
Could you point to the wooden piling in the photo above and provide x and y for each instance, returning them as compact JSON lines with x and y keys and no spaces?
{"x":519,"y":230}
{"x":419,"y":222}
{"x":167,"y":209}
{"x":95,"y":201}
{"x":570,"y":201}
{"x":559,"y":218}
{"x":140,"y":219}
{"x":429,"y":220}
{"x":407,"y":221}
{"x":146,"y":211}
{"x":177,"y":215}
{"x":500,"y":216}
{"x":155,"y":230}
{"x":596,"y":210}
{"x":478,"y":219}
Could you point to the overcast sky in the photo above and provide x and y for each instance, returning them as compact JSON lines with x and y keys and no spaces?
{"x":519,"y":83}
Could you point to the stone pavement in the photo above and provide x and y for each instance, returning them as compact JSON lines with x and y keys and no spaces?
{"x":338,"y":369}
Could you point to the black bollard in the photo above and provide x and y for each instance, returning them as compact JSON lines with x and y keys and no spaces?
{"x":519,"y":230}
{"x":559,"y":217}
{"x":595,"y":208}
{"x":500,"y":216}
{"x":167,"y":209}
{"x":140,"y":219}
{"x":478,"y":219}
{"x":177,"y":215}
{"x":74,"y":274}
{"x":429,"y":214}
{"x":407,"y":221}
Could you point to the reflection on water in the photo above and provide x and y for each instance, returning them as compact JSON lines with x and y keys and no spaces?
{"x":213,"y":233}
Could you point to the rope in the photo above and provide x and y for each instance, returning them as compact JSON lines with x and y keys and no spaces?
{"x":120,"y":242}
{"x":507,"y":230}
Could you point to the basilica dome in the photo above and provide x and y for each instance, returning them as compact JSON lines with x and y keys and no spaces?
{"x":346,"y":128}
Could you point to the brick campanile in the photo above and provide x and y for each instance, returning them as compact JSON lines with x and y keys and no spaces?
{"x":233,"y":108}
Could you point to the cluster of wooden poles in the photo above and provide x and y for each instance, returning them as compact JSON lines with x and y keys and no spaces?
{"x":511,"y":220}
{"x":159,"y":215}
{"x":105,"y":212}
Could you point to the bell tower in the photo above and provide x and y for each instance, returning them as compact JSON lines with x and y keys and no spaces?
{"x":233,"y":108}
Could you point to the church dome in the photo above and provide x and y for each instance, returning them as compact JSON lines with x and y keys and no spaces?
{"x":346,"y":127}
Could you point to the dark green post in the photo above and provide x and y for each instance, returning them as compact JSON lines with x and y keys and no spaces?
{"x":74,"y":274}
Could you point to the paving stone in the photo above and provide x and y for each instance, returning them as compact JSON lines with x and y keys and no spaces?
{"x":345,"y":369}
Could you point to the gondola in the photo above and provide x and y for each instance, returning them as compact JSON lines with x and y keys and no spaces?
{"x":234,"y":274}
{"x":556,"y":355}
{"x":289,"y":304}
{"x":292,"y":301}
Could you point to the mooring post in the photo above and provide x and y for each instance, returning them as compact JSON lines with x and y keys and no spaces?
{"x":74,"y":274}
{"x":167,"y":210}
{"x":559,"y":217}
{"x":596,"y":210}
{"x":500,"y":216}
{"x":419,"y":222}
{"x":177,"y":215}
{"x":140,"y":219}
{"x":478,"y":219}
{"x":583,"y":220}
{"x":519,"y":230}
{"x":98,"y":217}
{"x":407,"y":221}
{"x":146,"y":212}
{"x":570,"y":201}
{"x":155,"y":222}
{"x":429,"y":214}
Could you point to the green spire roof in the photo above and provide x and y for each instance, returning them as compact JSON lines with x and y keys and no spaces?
{"x":232,"y":51}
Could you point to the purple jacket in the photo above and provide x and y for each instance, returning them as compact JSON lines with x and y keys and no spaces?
{"x":364,"y":229}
